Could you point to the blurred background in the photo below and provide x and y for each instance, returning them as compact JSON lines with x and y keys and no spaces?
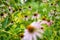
{"x":15,"y":15}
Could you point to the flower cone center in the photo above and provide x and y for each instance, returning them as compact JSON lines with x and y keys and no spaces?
{"x":31,"y":29}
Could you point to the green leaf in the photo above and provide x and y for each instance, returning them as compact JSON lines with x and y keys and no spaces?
{"x":4,"y":24}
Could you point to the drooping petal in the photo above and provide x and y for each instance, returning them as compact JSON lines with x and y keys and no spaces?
{"x":26,"y":32}
{"x":40,"y":31}
{"x":48,"y":23}
{"x":34,"y":37}
{"x":39,"y":35}
{"x":43,"y":22}
{"x":28,"y":37}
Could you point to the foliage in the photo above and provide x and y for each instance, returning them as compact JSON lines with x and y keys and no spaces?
{"x":15,"y":22}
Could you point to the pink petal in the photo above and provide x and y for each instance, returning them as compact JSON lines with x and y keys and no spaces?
{"x":34,"y":37}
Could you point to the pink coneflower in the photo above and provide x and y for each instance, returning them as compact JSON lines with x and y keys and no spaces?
{"x":36,"y":24}
{"x":10,"y":9}
{"x":35,"y":16}
{"x":56,"y":5}
{"x":32,"y":31}
{"x":21,"y":35}
{"x":30,"y":8}
{"x":47,"y":22}
{"x":4,"y":15}
{"x":43,"y":21}
{"x":20,"y":9}
{"x":1,"y":14}
{"x":23,"y":1}
{"x":26,"y":18}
